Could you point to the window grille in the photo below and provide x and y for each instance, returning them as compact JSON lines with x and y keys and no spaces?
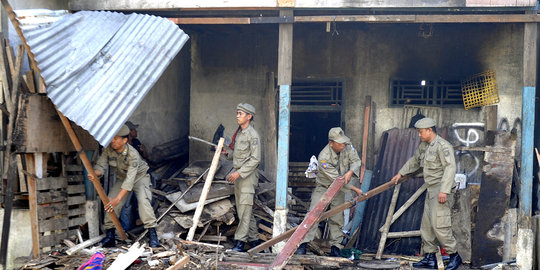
{"x":317,"y":93}
{"x":432,"y":93}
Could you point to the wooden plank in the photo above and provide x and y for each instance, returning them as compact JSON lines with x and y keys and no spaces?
{"x":76,"y":221}
{"x":76,"y":200}
{"x":285,"y":50}
{"x":52,"y":196}
{"x":388,"y":222}
{"x":38,"y":114}
{"x":75,"y":178}
{"x":330,"y":213}
{"x":365,"y":137}
{"x":180,"y":263}
{"x":403,"y":234}
{"x":453,"y":18}
{"x":73,"y":167}
{"x":51,"y":183}
{"x":22,"y":178}
{"x":75,"y":189}
{"x":52,"y":240}
{"x":84,"y":244}
{"x":51,"y":210}
{"x":210,"y":20}
{"x":270,"y":152}
{"x":407,"y":204}
{"x":494,"y":197}
{"x":32,"y":201}
{"x":29,"y":79}
{"x":53,"y":224}
{"x":309,"y":221}
{"x":206,"y":189}
{"x":76,"y":211}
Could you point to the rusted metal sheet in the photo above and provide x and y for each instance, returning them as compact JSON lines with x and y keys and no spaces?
{"x":99,"y":65}
{"x":397,"y":146}
{"x":494,"y":198}
{"x":311,"y":219}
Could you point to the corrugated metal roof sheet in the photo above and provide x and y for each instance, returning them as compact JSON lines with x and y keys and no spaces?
{"x":396,"y":147}
{"x":99,"y":65}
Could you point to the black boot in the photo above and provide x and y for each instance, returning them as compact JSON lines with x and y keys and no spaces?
{"x":255,"y":243}
{"x":301,"y":249}
{"x":153,"y":239}
{"x":335,"y":252}
{"x":109,"y":240}
{"x":239,"y":246}
{"x":455,"y":261}
{"x":429,"y":261}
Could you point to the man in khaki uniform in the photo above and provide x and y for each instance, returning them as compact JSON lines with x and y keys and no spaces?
{"x":436,"y":156}
{"x":337,"y":159}
{"x":131,"y":172}
{"x":245,"y":151}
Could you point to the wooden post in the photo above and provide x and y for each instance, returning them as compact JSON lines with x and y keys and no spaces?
{"x":206,"y":188}
{"x":309,"y":221}
{"x":285,"y":47}
{"x":90,"y":170}
{"x":524,"y":257}
{"x":406,"y":205}
{"x":388,"y":222}
{"x":32,"y":161}
{"x":365,"y":138}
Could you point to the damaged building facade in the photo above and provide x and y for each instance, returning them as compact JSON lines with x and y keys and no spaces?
{"x":308,"y":66}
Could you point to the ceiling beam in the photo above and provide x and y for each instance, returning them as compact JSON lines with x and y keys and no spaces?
{"x":483,"y":18}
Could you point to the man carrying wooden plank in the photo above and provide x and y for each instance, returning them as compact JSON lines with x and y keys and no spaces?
{"x":132,"y":174}
{"x":436,"y":156}
{"x":337,"y":159}
{"x":245,"y":151}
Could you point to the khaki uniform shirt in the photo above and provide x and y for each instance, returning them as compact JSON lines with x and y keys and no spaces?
{"x":247,"y":152}
{"x":332,"y":165}
{"x":438,"y":162}
{"x":129,"y":165}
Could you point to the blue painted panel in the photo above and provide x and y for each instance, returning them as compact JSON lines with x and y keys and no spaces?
{"x":283,"y":146}
{"x":359,"y":212}
{"x":527,"y":142}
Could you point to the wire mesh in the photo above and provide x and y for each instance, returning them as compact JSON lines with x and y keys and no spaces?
{"x":480,"y":90}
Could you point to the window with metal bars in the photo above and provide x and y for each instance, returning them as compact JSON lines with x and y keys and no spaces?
{"x":441,"y":93}
{"x":317,"y":93}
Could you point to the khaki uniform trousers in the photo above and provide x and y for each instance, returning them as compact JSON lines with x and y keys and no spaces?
{"x":144,"y":199}
{"x":436,"y":224}
{"x":244,"y":191}
{"x":335,"y":223}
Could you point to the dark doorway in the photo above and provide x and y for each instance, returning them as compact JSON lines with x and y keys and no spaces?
{"x":309,"y":133}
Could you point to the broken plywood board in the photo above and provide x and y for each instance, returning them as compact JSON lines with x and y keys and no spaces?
{"x":196,"y":168}
{"x":494,"y":197}
{"x":216,"y":190}
{"x":461,"y":222}
{"x":183,"y":206}
{"x":216,"y":211}
{"x":38,"y":115}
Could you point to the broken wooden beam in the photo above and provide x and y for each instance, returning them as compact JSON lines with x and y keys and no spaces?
{"x":180,"y":263}
{"x":85,"y":244}
{"x":311,"y":219}
{"x":124,"y":260}
{"x":206,"y":188}
{"x":330,"y":213}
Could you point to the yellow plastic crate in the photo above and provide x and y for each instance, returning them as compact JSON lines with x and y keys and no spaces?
{"x":480,"y":90}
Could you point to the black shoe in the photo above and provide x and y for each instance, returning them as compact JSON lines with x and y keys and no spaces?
{"x":429,"y":261}
{"x":335,"y":252}
{"x":153,"y":241}
{"x":455,"y":261}
{"x":239,"y":246}
{"x":301,"y":249}
{"x":109,"y":240}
